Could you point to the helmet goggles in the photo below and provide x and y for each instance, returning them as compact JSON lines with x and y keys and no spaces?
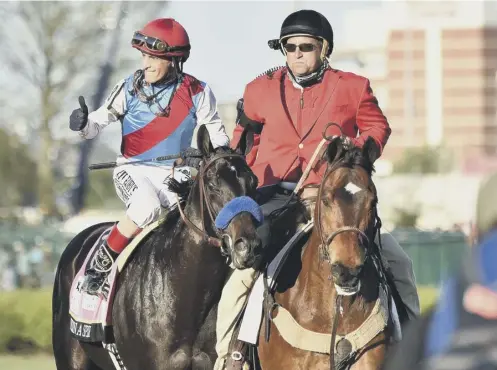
{"x":151,"y":43}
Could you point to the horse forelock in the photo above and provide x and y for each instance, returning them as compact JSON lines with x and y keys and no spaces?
{"x":224,"y":150}
{"x":352,"y":156}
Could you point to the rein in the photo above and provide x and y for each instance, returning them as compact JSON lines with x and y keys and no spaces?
{"x":215,"y":241}
{"x":327,"y":241}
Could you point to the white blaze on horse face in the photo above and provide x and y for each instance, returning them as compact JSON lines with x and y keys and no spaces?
{"x":352,"y":188}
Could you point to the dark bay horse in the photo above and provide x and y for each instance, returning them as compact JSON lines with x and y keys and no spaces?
{"x":339,"y":256}
{"x":166,"y":299}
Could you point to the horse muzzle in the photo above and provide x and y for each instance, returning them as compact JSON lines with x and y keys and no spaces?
{"x":245,"y":251}
{"x":346,"y":279}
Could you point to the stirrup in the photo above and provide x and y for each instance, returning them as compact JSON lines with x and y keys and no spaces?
{"x":96,"y":285}
{"x":98,"y":270}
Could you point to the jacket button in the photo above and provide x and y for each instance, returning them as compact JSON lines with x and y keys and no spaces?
{"x":301,"y":145}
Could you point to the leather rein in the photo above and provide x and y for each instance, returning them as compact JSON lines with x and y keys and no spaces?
{"x":215,"y":241}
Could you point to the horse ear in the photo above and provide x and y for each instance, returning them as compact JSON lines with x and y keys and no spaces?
{"x":204,"y":143}
{"x":334,"y":150}
{"x":246,"y":142}
{"x":371,"y":150}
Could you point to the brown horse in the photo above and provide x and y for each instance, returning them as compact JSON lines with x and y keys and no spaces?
{"x":340,"y":256}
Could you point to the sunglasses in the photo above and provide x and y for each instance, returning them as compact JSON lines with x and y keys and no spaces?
{"x":304,"y":48}
{"x":151,"y":43}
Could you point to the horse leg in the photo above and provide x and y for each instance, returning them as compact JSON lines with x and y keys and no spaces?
{"x":204,"y":354}
{"x":69,"y":355}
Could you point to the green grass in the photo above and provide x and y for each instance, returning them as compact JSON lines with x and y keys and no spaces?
{"x":26,"y":314}
{"x":38,"y":362}
{"x":32,"y":309}
{"x":427,"y":296}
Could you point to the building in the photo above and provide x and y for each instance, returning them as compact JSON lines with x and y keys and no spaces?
{"x":438,"y":82}
{"x":442,"y":64}
{"x":433,"y":68}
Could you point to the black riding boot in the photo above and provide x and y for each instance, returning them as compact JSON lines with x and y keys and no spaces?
{"x":99,"y":269}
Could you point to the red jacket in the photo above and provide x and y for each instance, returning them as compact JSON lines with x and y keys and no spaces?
{"x":294,"y":120}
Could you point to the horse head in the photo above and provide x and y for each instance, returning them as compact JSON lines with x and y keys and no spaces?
{"x":345,"y":212}
{"x":225,"y":185}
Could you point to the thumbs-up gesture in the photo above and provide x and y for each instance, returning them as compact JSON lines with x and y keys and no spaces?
{"x":79,"y":117}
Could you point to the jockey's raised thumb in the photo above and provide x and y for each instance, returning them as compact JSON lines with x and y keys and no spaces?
{"x":82,"y":104}
{"x":79,"y":117}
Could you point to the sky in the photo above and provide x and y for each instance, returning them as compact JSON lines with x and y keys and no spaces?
{"x":229,"y":38}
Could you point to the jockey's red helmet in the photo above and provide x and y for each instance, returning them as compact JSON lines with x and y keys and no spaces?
{"x":163,"y":37}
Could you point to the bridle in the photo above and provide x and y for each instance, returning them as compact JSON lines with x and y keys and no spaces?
{"x":205,"y":165}
{"x":370,"y":251}
{"x":327,"y":241}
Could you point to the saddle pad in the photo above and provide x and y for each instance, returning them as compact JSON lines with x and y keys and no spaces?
{"x":91,"y":315}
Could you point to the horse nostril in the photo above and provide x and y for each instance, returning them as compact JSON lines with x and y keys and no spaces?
{"x":241,"y":245}
{"x":355,"y":271}
{"x":342,"y":274}
{"x":338,"y":271}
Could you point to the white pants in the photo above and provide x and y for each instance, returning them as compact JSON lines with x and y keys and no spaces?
{"x":144,"y":190}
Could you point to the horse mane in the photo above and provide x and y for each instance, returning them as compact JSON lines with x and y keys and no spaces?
{"x":180,"y":188}
{"x":183,"y":188}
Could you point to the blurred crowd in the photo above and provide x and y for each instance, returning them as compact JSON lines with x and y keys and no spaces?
{"x":28,"y":262}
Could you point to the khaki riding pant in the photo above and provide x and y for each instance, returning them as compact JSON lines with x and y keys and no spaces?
{"x":236,"y":292}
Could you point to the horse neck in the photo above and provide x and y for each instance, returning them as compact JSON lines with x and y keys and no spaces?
{"x":321,"y":292}
{"x":202,"y":267}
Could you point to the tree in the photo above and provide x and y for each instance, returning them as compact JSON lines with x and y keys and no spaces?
{"x":424,"y":160}
{"x":17,"y":172}
{"x":406,"y":218}
{"x":53,"y":50}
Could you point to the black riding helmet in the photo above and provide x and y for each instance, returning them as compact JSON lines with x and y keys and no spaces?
{"x":305,"y":22}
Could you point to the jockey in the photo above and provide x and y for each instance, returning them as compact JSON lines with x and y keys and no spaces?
{"x":300,"y":99}
{"x":158,"y":108}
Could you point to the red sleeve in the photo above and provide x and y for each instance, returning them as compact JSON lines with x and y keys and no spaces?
{"x":249,"y":103}
{"x":253,"y":152}
{"x":370,"y":119}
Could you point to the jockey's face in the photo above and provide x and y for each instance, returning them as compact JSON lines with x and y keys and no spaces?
{"x":155,"y":68}
{"x":302,"y":63}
